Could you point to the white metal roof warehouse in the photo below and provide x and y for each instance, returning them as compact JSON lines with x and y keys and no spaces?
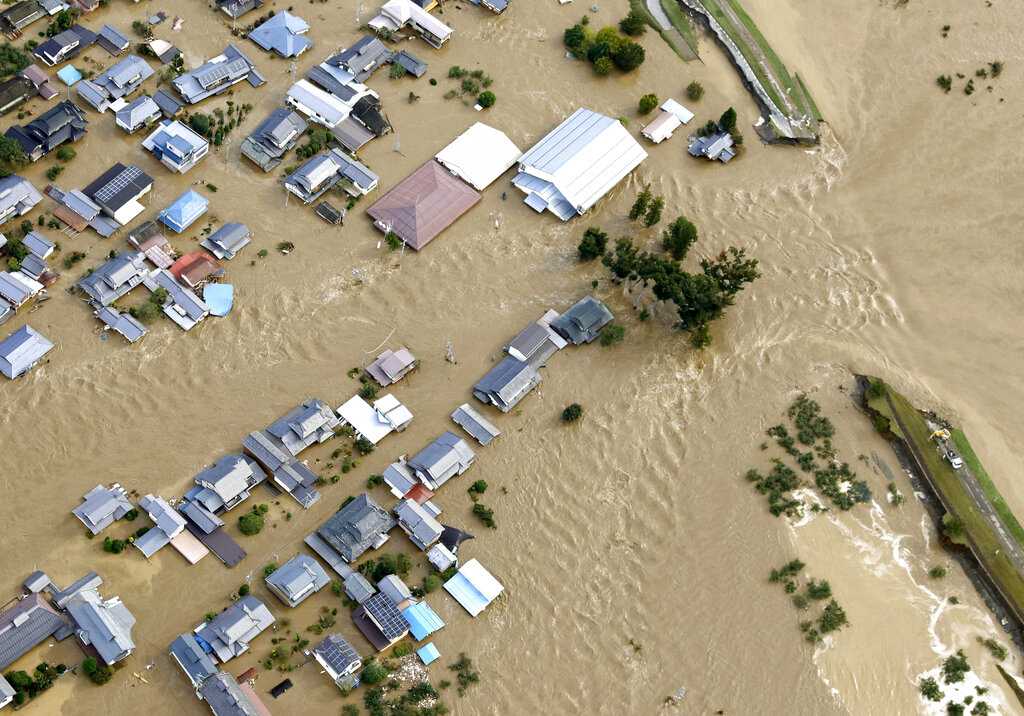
{"x":577,"y":163}
{"x":479,"y":155}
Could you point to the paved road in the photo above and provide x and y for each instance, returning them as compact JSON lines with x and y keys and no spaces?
{"x":1008,"y":545}
{"x":658,"y":12}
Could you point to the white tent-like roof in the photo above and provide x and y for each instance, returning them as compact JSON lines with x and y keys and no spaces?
{"x":479,"y":155}
{"x":377,"y":421}
{"x":473,"y":587}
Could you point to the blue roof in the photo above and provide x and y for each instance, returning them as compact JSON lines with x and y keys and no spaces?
{"x":423,"y":621}
{"x":428,"y":654}
{"x":69,"y":75}
{"x":186,"y":209}
{"x":219,"y":297}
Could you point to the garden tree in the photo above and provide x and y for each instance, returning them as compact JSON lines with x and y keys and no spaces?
{"x":694,"y":91}
{"x":486,"y":99}
{"x":731,"y":269}
{"x":250,"y":523}
{"x":200,"y":123}
{"x":12,"y":60}
{"x":603,"y":67}
{"x":653,"y":215}
{"x":98,"y":673}
{"x":597,"y":51}
{"x":643,"y":200}
{"x":628,"y":56}
{"x":633,"y":24}
{"x":647,"y":103}
{"x":374,"y":672}
{"x":677,"y":239}
{"x":612,"y":334}
{"x":610,"y":38}
{"x":12,"y":157}
{"x":727,"y":122}
{"x":431,"y":583}
{"x":593,"y":244}
{"x":575,"y":38}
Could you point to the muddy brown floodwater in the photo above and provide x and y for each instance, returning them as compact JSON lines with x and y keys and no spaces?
{"x":892,"y":249}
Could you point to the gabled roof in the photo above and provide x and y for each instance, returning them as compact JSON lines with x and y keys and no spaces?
{"x":21,"y":350}
{"x":482,"y":430}
{"x":479,"y":155}
{"x":225,"y":697}
{"x":195,"y":662}
{"x":118,"y":186}
{"x":228,"y":240}
{"x":578,"y":162}
{"x":423,"y":621}
{"x":355,"y":527}
{"x":391,"y":366}
{"x":230,"y":632}
{"x":507,"y":383}
{"x":385,"y":616}
{"x":337,"y":655}
{"x":112,"y":40}
{"x":123,"y":323}
{"x":583,"y":321}
{"x":419,"y":524}
{"x":17,"y":196}
{"x":105,"y":625}
{"x":473,"y":587}
{"x":423,"y":205}
{"x":138,"y":112}
{"x":27,"y":623}
{"x":101,"y":506}
{"x":115,"y":278}
{"x":184,"y":210}
{"x":297,"y":579}
{"x":217,"y":74}
{"x":362,"y":57}
{"x":443,"y":459}
{"x":310,"y":422}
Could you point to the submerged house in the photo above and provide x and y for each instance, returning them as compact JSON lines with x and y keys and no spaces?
{"x":217,"y":75}
{"x":176,"y":145}
{"x":123,"y":324}
{"x":117,"y":192}
{"x":21,"y":351}
{"x":185,"y":210}
{"x":310,"y":423}
{"x":138,"y":114}
{"x":374,"y":423}
{"x":380,"y":621}
{"x":15,"y":92}
{"x":283,"y":34}
{"x":17,"y":197}
{"x":319,"y":105}
{"x":418,"y":523}
{"x":64,"y":45}
{"x":672,"y":116}
{"x":27,"y":623}
{"x":357,"y":527}
{"x":272,"y":139}
{"x":104,"y":625}
{"x":479,"y":155}
{"x":229,"y":633}
{"x":507,"y":383}
{"x":17,"y":289}
{"x":227,"y":697}
{"x":182,"y":306}
{"x":228,"y":240}
{"x":473,"y":587}
{"x":112,"y":40}
{"x":583,"y":322}
{"x":362,"y":58}
{"x":195,"y":662}
{"x":37,"y":76}
{"x":391,"y":366}
{"x":447,"y":457}
{"x":352,"y":111}
{"x":536,"y":343}
{"x":714,"y":147}
{"x":482,"y":429}
{"x":236,"y":8}
{"x":117,"y":82}
{"x":297,"y":579}
{"x":422,"y":205}
{"x":396,"y":14}
{"x":320,"y":173}
{"x":114,"y":278}
{"x":18,"y":16}
{"x":58,"y":125}
{"x":227,"y":483}
{"x":102,"y":506}
{"x":167,"y":524}
{"x":577,"y":163}
{"x":339,"y":660}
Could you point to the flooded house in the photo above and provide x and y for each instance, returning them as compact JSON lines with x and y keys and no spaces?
{"x":60,"y":124}
{"x":17,"y":197}
{"x":182,"y":306}
{"x":356,"y":528}
{"x":358,"y":587}
{"x":470,"y":420}
{"x":117,"y":82}
{"x":473,"y":587}
{"x":138,"y":114}
{"x":15,"y":92}
{"x":479,"y":155}
{"x":506,"y":384}
{"x":236,"y":8}
{"x":297,"y":579}
{"x":380,"y":621}
{"x":339,"y":660}
{"x":671,"y":116}
{"x":374,"y":423}
{"x":102,"y":507}
{"x":16,"y":290}
{"x":577,"y":163}
{"x":362,"y":58}
{"x":273,"y":138}
{"x":536,"y":343}
{"x":27,"y":623}
{"x":42,"y":81}
{"x":64,"y":45}
{"x":114,"y":278}
{"x":397,"y":14}
{"x":217,"y":75}
{"x":193,"y":661}
{"x":124,"y":324}
{"x":176,"y":145}
{"x":112,"y":40}
{"x":391,"y":366}
{"x":15,"y":18}
{"x":118,"y":190}
{"x":283,"y":34}
{"x":583,"y":322}
{"x":229,"y":633}
{"x":103,"y":624}
{"x":324,"y":171}
{"x":228,"y":240}
{"x":422,"y":620}
{"x":446,"y":457}
{"x":226,"y":697}
{"x":184,"y":211}
{"x":714,"y":147}
{"x":420,"y":526}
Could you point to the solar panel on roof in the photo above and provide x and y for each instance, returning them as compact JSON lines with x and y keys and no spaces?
{"x":386,"y":615}
{"x":122,"y":181}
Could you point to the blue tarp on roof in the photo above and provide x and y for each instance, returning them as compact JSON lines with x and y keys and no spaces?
{"x":186,"y":209}
{"x":428,"y":654}
{"x":69,"y":75}
{"x":219,"y":297}
{"x":423,"y":621}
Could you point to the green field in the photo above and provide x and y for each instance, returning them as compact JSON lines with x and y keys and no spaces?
{"x":687,"y":50}
{"x":955,"y":497}
{"x":1005,"y":513}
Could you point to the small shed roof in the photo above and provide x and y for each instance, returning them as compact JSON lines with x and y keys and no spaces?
{"x":470,"y":420}
{"x":423,"y":205}
{"x":473,"y":587}
{"x":423,"y":621}
{"x":21,"y":350}
{"x":428,"y":654}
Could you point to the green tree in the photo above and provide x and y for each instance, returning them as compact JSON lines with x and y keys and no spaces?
{"x":677,"y":239}
{"x":431,"y":583}
{"x":731,"y":270}
{"x":643,"y":200}
{"x":12,"y":60}
{"x":485,"y":514}
{"x":572,"y":413}
{"x":200,"y":123}
{"x":98,"y":673}
{"x":12,"y":156}
{"x":593,"y":244}
{"x":633,"y":24}
{"x":251,"y":523}
{"x":694,"y":91}
{"x":597,"y":50}
{"x":574,"y":38}
{"x":647,"y":103}
{"x":603,"y":67}
{"x":66,"y":153}
{"x":653,"y":215}
{"x":486,"y":99}
{"x":610,"y":38}
{"x":727,"y":122}
{"x":833,"y":618}
{"x":612,"y":334}
{"x":955,"y":667}
{"x":628,"y":56}
{"x":243,"y":591}
{"x":374,"y":672}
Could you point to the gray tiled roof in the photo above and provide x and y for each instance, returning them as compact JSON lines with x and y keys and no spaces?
{"x":230,"y":632}
{"x":507,"y":383}
{"x":443,"y":459}
{"x":583,"y":321}
{"x":21,"y":350}
{"x":24,"y":625}
{"x":298,"y":578}
{"x":195,"y":662}
{"x":354,"y":528}
{"x":419,"y":524}
{"x":225,"y":698}
{"x":106,"y":625}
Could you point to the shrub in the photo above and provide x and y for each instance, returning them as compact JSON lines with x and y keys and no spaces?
{"x":397,"y":72}
{"x":603,"y":67}
{"x":391,"y":239}
{"x":54,"y":172}
{"x":486,"y":99}
{"x":694,"y":91}
{"x":572,"y":413}
{"x":364,"y":446}
{"x":66,"y":154}
{"x":250,"y":524}
{"x":643,"y":200}
{"x":612,"y":334}
{"x":937,"y":572}
{"x":401,"y":649}
{"x":368,"y":392}
{"x":593,"y":244}
{"x":200,"y":123}
{"x":647,"y":103}
{"x":628,"y":56}
{"x":374,"y":672}
{"x":485,"y":514}
{"x":819,"y":590}
{"x":653,"y":215}
{"x":431,"y":583}
{"x":727,"y":122}
{"x":633,"y":24}
{"x":98,"y":673}
{"x":269,"y":569}
{"x":243,"y":590}
{"x":955,"y":667}
{"x":478,"y":488}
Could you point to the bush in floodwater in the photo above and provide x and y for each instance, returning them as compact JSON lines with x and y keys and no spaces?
{"x":945,"y":82}
{"x":572,"y":413}
{"x":374,"y":672}
{"x":98,"y":673}
{"x":955,"y":667}
{"x":593,"y":244}
{"x":819,"y":590}
{"x":486,"y":99}
{"x":250,"y":523}
{"x":694,"y":91}
{"x":998,"y":651}
{"x":612,"y":334}
{"x":647,"y":103}
{"x":929,"y":688}
{"x":485,"y":514}
{"x":937,"y":572}
{"x":633,"y":24}
{"x":833,"y":618}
